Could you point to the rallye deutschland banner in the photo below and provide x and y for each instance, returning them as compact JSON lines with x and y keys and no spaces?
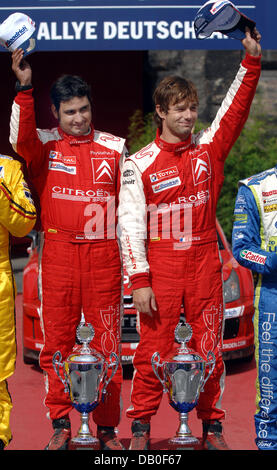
{"x":133,"y":25}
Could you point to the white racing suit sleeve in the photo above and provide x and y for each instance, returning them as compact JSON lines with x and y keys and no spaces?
{"x":132,"y":218}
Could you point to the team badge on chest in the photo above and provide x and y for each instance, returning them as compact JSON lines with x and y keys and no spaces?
{"x":201,"y":168}
{"x":103,"y":170}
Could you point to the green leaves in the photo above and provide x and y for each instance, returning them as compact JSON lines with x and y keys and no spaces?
{"x":254,"y":151}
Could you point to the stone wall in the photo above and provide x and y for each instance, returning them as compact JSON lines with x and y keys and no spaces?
{"x":212,"y":72}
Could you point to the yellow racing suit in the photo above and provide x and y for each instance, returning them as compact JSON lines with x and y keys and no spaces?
{"x":17,"y":217}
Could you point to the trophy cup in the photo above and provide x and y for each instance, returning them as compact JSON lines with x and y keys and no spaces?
{"x":183,"y":378}
{"x":85,"y":379}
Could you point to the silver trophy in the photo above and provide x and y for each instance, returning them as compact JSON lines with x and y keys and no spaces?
{"x":183,"y":378}
{"x":85,"y":378}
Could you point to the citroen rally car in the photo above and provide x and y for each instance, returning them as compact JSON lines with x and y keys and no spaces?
{"x":238,"y":340}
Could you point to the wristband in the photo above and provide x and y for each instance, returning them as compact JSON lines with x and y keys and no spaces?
{"x":19,"y":87}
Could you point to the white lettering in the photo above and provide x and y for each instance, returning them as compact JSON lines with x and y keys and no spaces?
{"x":149,"y":27}
{"x":176,"y":30}
{"x":77,"y":28}
{"x":266,"y":386}
{"x":121,"y":30}
{"x":54,"y":34}
{"x":162,"y":27}
{"x":43,"y":32}
{"x":110,"y":30}
{"x":66,"y":34}
{"x":136,"y":30}
{"x":90,"y":30}
{"x":189,"y":30}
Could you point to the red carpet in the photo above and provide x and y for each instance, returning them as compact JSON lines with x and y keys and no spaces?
{"x":31,"y":429}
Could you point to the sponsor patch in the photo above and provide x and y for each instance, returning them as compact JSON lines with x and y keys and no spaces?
{"x":241,"y":199}
{"x":59,"y":157}
{"x":253,"y":257}
{"x":128,"y":181}
{"x":157,"y":188}
{"x":238,"y":236}
{"x":59,"y":166}
{"x":217,"y":6}
{"x":201,"y":197}
{"x":73,"y":194}
{"x":201,"y":168}
{"x":269,"y":193}
{"x":271,"y":208}
{"x":103,"y":170}
{"x":164,"y":174}
{"x":241,"y":218}
{"x":128,"y":173}
{"x":28,"y":196}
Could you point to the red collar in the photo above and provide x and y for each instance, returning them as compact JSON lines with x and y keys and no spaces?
{"x":76,"y":140}
{"x":174,"y":148}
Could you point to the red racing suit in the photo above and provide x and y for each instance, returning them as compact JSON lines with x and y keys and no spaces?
{"x":77,"y":180}
{"x":167,"y":218}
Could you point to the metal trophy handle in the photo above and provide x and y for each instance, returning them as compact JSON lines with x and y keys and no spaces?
{"x":211,"y":365}
{"x":57,"y":364}
{"x":114,"y":363}
{"x":155,"y":361}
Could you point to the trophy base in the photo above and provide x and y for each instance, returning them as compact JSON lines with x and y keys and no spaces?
{"x":188,"y":442}
{"x":82,"y":443}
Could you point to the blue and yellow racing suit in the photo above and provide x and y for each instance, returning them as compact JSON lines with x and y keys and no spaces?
{"x":254,"y":241}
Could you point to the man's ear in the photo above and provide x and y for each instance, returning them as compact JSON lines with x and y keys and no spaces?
{"x":54,"y":111}
{"x":160,"y":113}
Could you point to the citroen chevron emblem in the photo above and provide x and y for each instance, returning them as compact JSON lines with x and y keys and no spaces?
{"x":200,"y":167}
{"x":106,"y":169}
{"x":103,"y":170}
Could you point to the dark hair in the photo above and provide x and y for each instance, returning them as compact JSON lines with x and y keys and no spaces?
{"x":68,"y":87}
{"x":172,"y":90}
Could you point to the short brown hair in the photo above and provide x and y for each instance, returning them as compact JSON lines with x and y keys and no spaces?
{"x":172,"y":90}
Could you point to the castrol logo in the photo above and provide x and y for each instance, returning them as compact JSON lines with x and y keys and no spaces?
{"x":253,"y":257}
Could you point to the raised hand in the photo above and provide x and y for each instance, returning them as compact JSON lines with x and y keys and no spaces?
{"x":251,"y":42}
{"x":21,"y":68}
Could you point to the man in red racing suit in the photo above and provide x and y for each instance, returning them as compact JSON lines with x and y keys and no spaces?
{"x":169,"y":194}
{"x":75,"y":171}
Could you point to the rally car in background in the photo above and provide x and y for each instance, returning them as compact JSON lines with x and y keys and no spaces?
{"x":238,"y":340}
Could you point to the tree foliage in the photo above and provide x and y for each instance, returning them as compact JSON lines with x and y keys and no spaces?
{"x":254,"y":151}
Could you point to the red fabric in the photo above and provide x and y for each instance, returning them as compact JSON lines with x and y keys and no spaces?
{"x":77,"y":181}
{"x":65,"y":171}
{"x":79,"y":277}
{"x":194,"y":276}
{"x":181,"y":179}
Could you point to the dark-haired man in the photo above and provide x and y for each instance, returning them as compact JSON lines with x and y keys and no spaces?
{"x":75,"y":171}
{"x":178,"y":178}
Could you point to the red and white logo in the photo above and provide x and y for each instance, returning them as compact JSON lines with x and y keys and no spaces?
{"x":201,"y":168}
{"x":103,"y":170}
{"x":58,"y":156}
{"x":218,"y":5}
{"x":253,"y":257}
{"x":164,"y":174}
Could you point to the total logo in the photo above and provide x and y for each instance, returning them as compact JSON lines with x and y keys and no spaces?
{"x":103,"y":170}
{"x":164,"y":174}
{"x":253,"y":257}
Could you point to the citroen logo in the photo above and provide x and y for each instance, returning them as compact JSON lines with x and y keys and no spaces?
{"x":103,"y":169}
{"x":200,"y":166}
